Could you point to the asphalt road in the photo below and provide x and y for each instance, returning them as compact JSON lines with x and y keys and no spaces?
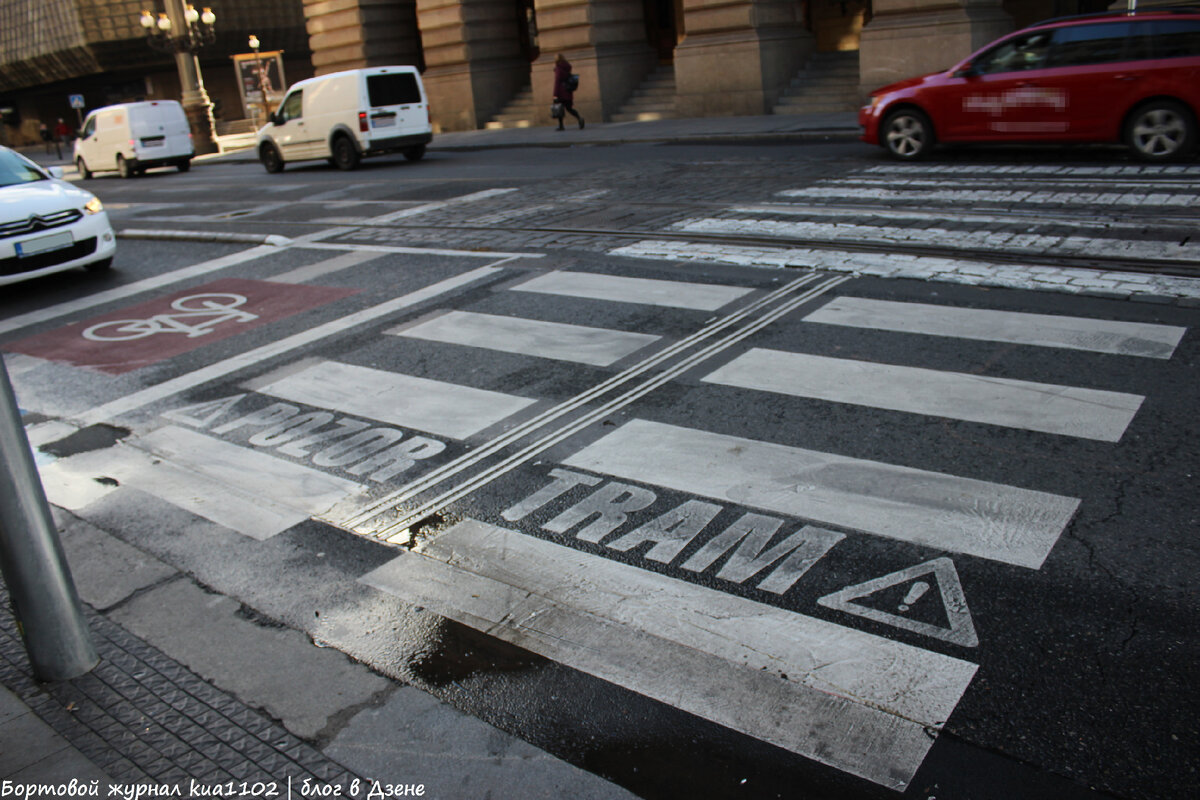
{"x":570,"y":439}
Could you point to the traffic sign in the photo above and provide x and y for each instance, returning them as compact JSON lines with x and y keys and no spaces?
{"x":76,"y":100}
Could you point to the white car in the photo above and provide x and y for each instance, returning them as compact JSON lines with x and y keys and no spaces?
{"x":46,"y":224}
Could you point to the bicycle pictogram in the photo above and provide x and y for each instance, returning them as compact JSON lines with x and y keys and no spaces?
{"x":213,"y":308}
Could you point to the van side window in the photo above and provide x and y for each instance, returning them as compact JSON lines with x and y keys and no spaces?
{"x":389,"y":89}
{"x":1022,"y":53}
{"x":290,"y":109}
{"x":1090,"y":44}
{"x":1176,"y":38}
{"x":89,"y":127}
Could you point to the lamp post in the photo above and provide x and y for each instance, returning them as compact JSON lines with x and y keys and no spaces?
{"x":183,"y":31}
{"x":258,"y":76}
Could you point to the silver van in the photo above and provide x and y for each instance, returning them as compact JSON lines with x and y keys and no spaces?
{"x":346,"y":116}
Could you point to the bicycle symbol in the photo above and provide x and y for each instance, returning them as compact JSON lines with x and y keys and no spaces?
{"x":216,"y":307}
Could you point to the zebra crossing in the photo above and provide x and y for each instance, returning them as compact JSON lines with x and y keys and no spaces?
{"x":378,"y":451}
{"x":965,"y":234}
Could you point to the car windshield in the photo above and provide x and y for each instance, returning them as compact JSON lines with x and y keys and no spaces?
{"x":15,"y":170}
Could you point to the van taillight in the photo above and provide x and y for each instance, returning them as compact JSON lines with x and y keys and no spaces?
{"x":362,"y":122}
{"x":132,"y":144}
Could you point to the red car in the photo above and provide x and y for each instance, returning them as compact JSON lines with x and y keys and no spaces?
{"x":1117,"y":77}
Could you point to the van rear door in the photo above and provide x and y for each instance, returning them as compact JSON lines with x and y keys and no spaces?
{"x":397,"y":105}
{"x":160,"y":130}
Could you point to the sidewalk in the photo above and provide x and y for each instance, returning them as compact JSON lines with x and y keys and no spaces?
{"x":194,"y":690}
{"x":834,"y":126}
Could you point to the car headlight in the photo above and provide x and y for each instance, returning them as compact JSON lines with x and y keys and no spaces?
{"x":93,"y":206}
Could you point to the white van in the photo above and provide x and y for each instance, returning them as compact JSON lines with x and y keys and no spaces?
{"x":345,"y":116}
{"x":133,"y":137}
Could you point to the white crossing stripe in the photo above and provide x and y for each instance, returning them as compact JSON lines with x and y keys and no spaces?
{"x":326,"y":267}
{"x":928,"y":192}
{"x":443,"y":409}
{"x":1030,"y":243}
{"x":1045,"y":330}
{"x":576,"y":343}
{"x":1066,"y":410}
{"x":672,"y":294}
{"x":243,"y":489}
{"x":425,"y":208}
{"x":858,"y":702}
{"x":962,"y":515}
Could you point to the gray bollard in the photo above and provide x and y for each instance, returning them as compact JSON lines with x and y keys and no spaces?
{"x":44,"y":599}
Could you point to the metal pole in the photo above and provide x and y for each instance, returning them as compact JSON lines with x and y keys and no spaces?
{"x":43,"y":595}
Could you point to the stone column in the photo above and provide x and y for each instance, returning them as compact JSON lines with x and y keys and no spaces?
{"x":738,"y":55}
{"x":605,"y":41}
{"x":473,"y":59}
{"x":351,"y":34}
{"x":912,"y":37}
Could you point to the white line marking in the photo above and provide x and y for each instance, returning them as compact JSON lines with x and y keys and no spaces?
{"x":404,"y":213}
{"x":248,"y":491}
{"x":968,"y":197}
{"x":1044,"y":330}
{"x":989,"y":520}
{"x":443,"y":409}
{"x":130,"y":289}
{"x":671,"y":294}
{"x":854,"y":701}
{"x":1065,"y":410}
{"x":556,"y":340}
{"x":220,"y":369}
{"x":326,"y":267}
{"x":1034,"y":244}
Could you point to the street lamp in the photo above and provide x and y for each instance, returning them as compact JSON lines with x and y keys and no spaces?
{"x":183,"y":31}
{"x":258,"y":77}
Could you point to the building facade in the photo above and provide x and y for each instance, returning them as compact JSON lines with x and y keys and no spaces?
{"x":491,"y":61}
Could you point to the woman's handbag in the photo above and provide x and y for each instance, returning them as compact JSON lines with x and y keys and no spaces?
{"x":557,"y":111}
{"x":573,"y":82}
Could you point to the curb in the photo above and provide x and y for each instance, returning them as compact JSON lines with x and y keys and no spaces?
{"x":205,"y":236}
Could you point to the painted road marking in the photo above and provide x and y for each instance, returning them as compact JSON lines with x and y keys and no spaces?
{"x":443,"y":409}
{"x":326,"y":267}
{"x":414,"y":211}
{"x":1044,"y":330}
{"x":173,"y":324}
{"x":220,"y":369}
{"x":941,"y":571}
{"x":1065,"y":410}
{"x":885,"y":193}
{"x":857,"y":702}
{"x":130,"y":289}
{"x":671,"y":294}
{"x":1036,"y":244}
{"x":361,"y":520}
{"x":963,"y":515}
{"x":577,"y":343}
{"x":248,"y":491}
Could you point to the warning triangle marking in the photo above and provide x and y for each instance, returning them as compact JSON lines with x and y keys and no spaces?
{"x":962,"y":627}
{"x":204,"y":414}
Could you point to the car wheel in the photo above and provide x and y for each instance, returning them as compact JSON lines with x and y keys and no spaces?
{"x":270,"y":158}
{"x":1161,"y":131}
{"x":183,"y":166}
{"x":345,"y":155}
{"x":415,"y":153}
{"x":84,"y":172}
{"x":123,"y":168}
{"x":99,"y":266}
{"x":907,"y":134}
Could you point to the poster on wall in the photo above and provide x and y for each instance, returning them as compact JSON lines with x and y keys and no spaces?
{"x":260,"y":81}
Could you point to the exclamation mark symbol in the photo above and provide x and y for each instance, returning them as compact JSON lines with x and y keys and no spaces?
{"x":914,"y":594}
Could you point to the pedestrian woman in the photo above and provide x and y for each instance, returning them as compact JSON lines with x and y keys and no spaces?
{"x":562,"y":90}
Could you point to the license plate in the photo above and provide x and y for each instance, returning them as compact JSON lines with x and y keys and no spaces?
{"x":383,"y":122}
{"x":154,"y":143}
{"x":44,"y":244}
